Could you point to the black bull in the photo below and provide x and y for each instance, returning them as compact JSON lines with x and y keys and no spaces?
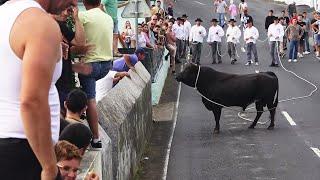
{"x":233,"y":90}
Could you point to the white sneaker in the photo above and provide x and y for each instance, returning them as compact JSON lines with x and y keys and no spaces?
{"x":306,"y":53}
{"x":289,"y":60}
{"x":295,"y":60}
{"x":248,"y":63}
{"x":257,"y":63}
{"x":317,"y":53}
{"x":300,"y":55}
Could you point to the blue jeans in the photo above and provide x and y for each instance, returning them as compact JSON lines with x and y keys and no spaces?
{"x":293,"y":49}
{"x":88,"y":82}
{"x":252,"y":49}
{"x":221,"y":19}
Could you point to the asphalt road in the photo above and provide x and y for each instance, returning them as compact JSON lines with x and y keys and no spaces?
{"x":238,"y":153}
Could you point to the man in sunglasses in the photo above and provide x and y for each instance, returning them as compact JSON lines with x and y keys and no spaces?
{"x":31,"y":63}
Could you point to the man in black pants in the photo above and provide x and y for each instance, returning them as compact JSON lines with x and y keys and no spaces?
{"x":197,"y":34}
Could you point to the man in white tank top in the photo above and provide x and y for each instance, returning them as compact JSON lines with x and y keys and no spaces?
{"x":30,"y":64}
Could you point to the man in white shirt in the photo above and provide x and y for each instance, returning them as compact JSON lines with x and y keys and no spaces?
{"x":251,"y":35}
{"x":233,"y":35}
{"x":242,"y":6}
{"x":197,"y":34}
{"x":178,"y":29}
{"x":105,"y":84}
{"x":275,"y":34}
{"x":214,"y":39}
{"x":187,"y":28}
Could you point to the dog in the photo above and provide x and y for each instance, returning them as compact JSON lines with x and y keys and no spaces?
{"x":233,"y":90}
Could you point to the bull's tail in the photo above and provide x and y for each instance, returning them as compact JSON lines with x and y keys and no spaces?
{"x":276,"y":95}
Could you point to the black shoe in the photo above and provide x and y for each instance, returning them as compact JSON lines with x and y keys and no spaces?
{"x":219,"y":62}
{"x":272,"y":65}
{"x":213,"y":62}
{"x":276,"y":65}
{"x":96,"y":145}
{"x":233,"y":61}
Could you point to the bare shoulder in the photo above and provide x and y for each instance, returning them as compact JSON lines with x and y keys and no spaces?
{"x":38,"y":21}
{"x":33,"y":24}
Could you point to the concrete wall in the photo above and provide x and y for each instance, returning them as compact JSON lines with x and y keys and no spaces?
{"x":99,"y":161}
{"x":126,"y":115}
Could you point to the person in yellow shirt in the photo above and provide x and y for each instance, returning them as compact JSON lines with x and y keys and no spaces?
{"x":98,"y":28}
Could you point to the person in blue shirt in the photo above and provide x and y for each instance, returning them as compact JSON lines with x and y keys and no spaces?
{"x":128,"y":61}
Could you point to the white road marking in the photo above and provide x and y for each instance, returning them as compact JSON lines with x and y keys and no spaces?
{"x":316,"y":151}
{"x":199,"y":3}
{"x":166,"y":163}
{"x":289,"y":119}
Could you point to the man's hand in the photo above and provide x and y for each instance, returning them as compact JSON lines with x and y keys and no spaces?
{"x":82,"y":50}
{"x":65,"y":50}
{"x":92,"y":176}
{"x":132,"y":68}
{"x":75,"y":14}
{"x":82,"y":68}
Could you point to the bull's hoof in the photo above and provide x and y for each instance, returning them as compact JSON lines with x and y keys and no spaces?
{"x":270,"y":127}
{"x":251,"y":127}
{"x":216,"y":131}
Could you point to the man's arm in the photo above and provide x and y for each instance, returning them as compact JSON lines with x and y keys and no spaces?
{"x":209,"y":36}
{"x":41,"y":42}
{"x":126,"y":58}
{"x":79,"y":38}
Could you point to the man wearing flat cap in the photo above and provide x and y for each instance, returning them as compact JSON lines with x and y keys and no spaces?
{"x":196,"y":37}
{"x":187,"y":28}
{"x":214,"y":39}
{"x":275,"y":34}
{"x":233,"y":35}
{"x":178,"y":29}
{"x":250,"y":36}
